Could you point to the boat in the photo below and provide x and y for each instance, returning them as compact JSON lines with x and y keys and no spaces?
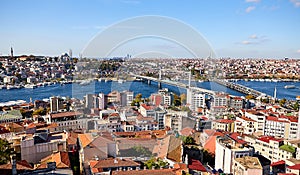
{"x":289,"y":86}
{"x":30,"y":86}
{"x":11,"y":87}
{"x":121,"y":81}
{"x":3,"y":86}
{"x":85,"y":82}
{"x":298,"y":98}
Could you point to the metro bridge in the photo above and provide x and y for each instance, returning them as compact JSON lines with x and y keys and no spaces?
{"x":237,"y":87}
{"x":174,"y":83}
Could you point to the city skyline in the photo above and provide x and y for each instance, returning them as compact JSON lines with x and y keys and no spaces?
{"x":236,"y":29}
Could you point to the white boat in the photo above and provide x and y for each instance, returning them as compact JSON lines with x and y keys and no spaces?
{"x":11,"y":87}
{"x":85,"y":82}
{"x":30,"y":86}
{"x":289,"y":86}
{"x":3,"y":86}
{"x":121,"y":81}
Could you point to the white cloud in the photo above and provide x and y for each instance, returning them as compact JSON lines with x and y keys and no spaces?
{"x":254,"y":36}
{"x":246,"y":42}
{"x":250,"y":8}
{"x":253,"y":1}
{"x":298,"y":51}
{"x":295,"y":2}
{"x":254,"y":39}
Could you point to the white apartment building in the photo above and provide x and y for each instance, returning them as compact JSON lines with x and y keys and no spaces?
{"x":227,"y":150}
{"x":244,"y":125}
{"x":259,"y":119}
{"x":195,"y":100}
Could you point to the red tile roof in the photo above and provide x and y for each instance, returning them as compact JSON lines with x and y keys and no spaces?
{"x":235,"y":137}
{"x":65,"y":114}
{"x":146,"y":172}
{"x":60,"y":158}
{"x":247,"y":119}
{"x":281,"y":162}
{"x":147,"y":107}
{"x":187,"y":131}
{"x":115,"y":162}
{"x":21,"y":165}
{"x":275,"y":119}
{"x":268,"y":138}
{"x":225,"y":121}
{"x":295,"y":167}
{"x":196,"y":165}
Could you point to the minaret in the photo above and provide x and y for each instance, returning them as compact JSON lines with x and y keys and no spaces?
{"x":70,"y":53}
{"x":275,"y":93}
{"x":11,"y":52}
{"x":298,"y":131}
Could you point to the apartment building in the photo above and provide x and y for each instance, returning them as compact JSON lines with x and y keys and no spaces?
{"x":244,"y":125}
{"x":223,"y":125}
{"x":227,"y":149}
{"x":247,"y":166}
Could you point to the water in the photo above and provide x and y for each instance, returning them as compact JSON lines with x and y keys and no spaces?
{"x":78,"y":91}
{"x":269,"y":87}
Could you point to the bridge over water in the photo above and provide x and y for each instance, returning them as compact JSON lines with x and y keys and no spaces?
{"x":175,"y":83}
{"x":226,"y":83}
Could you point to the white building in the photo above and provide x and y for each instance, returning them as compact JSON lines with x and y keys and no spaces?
{"x":228,"y":149}
{"x":195,"y":100}
{"x":126,"y":98}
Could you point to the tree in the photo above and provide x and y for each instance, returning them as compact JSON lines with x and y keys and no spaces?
{"x":156,"y":163}
{"x":188,"y":140}
{"x":5,"y":151}
{"x":295,"y":106}
{"x":208,"y":158}
{"x":282,"y":102}
{"x":40,"y":111}
{"x":249,"y":97}
{"x":183,"y":98}
{"x":138,"y":98}
{"x":176,"y":100}
{"x":142,"y":151}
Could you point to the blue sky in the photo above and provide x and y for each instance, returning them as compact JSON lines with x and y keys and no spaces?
{"x":234,"y":28}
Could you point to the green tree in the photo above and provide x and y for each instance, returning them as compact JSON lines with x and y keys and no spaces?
{"x":183,"y":98}
{"x":5,"y":151}
{"x":40,"y":111}
{"x":188,"y":140}
{"x":156,"y":163}
{"x":295,"y":106}
{"x":208,"y":158}
{"x":176,"y":100}
{"x":142,"y":151}
{"x":249,"y":97}
{"x":282,"y":102}
{"x":138,"y":98}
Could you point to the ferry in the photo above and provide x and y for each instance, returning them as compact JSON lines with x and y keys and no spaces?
{"x":289,"y":86}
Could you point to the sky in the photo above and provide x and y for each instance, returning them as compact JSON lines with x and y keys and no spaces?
{"x":233,"y":28}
